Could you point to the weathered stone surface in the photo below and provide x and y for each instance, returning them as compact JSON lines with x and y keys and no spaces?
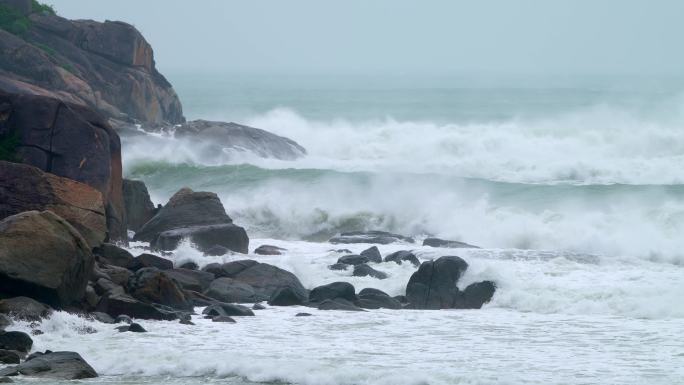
{"x":15,"y":340}
{"x":57,"y":365}
{"x":153,"y":286}
{"x":206,"y":238}
{"x":401,"y":256}
{"x":231,"y":290}
{"x":24,"y":308}
{"x":364,"y":270}
{"x":70,"y":141}
{"x":26,"y":188}
{"x":436,"y":242}
{"x":269,"y":250}
{"x":333,"y":290}
{"x":191,"y":279}
{"x":379,"y":237}
{"x":286,"y":296}
{"x":150,"y":260}
{"x":43,"y":257}
{"x":373,"y":254}
{"x":114,"y":255}
{"x":266,"y":279}
{"x":137,"y":202}
{"x":217,"y":137}
{"x":123,"y":304}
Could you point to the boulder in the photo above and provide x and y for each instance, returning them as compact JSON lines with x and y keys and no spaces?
{"x":352,"y":259}
{"x":210,"y":239}
{"x":190,"y":265}
{"x":229,"y":269}
{"x":215,"y":138}
{"x":5,"y":321}
{"x":379,"y":237}
{"x":227,"y":309}
{"x":149,"y":260}
{"x":56,"y":365}
{"x":117,"y":275}
{"x":230,"y":290}
{"x":269,"y":250}
{"x":132,"y":327}
{"x":436,"y":242}
{"x":258,"y":306}
{"x":364,"y":270}
{"x":153,"y":286}
{"x":25,"y":309}
{"x":18,"y":341}
{"x":433,"y":286}
{"x":376,"y":299}
{"x":373,"y":254}
{"x":333,"y":290}
{"x":222,"y":318}
{"x":117,"y":304}
{"x":266,"y":279}
{"x":401,"y":256}
{"x":338,"y":304}
{"x":339,"y":266}
{"x":194,"y":280}
{"x":476,"y":295}
{"x":71,"y":141}
{"x":137,"y":202}
{"x":216,"y":251}
{"x":286,"y":296}
{"x":114,"y":255}
{"x":26,"y":188}
{"x":9,"y":357}
{"x":56,"y":261}
{"x":102,"y":317}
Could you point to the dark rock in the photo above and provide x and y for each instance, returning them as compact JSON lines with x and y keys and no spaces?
{"x":27,"y":188}
{"x":401,"y":298}
{"x":227,"y":309}
{"x":91,"y":297}
{"x":69,"y":140}
{"x":118,"y":275}
{"x":222,"y":318}
{"x":6,"y":380}
{"x":198,"y":299}
{"x":230,"y":290}
{"x":37,"y":332}
{"x":436,"y":242}
{"x":206,"y":238}
{"x":286,"y":296}
{"x":5,"y":321}
{"x":114,"y":255}
{"x":149,"y":260}
{"x":58,"y":365}
{"x":339,"y":266}
{"x":103,"y":317}
{"x":303,"y":315}
{"x":25,"y":309}
{"x":139,"y":206}
{"x":55,"y":260}
{"x":216,"y":137}
{"x":476,"y":295}
{"x":186,"y":322}
{"x":379,"y":237}
{"x":333,"y":290}
{"x":373,"y":254}
{"x":433,"y":286}
{"x":194,"y":280}
{"x":190,"y":265}
{"x":343,"y":251}
{"x":370,"y":298}
{"x":122,"y":318}
{"x":216,"y":251}
{"x":136,"y":328}
{"x":338,"y":304}
{"x":9,"y":357}
{"x":106,"y":287}
{"x":403,"y":255}
{"x":367,"y":271}
{"x":266,"y":279}
{"x":258,"y":306}
{"x":153,"y":286}
{"x":269,"y":250}
{"x":117,"y":304}
{"x":18,"y":341}
{"x":229,"y":269}
{"x":352,"y":260}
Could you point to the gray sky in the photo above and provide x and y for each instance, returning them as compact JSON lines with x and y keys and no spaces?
{"x":438,"y":36}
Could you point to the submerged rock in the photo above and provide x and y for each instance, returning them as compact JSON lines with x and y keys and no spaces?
{"x":436,"y":242}
{"x":338,"y":304}
{"x":379,"y":237}
{"x":339,"y":266}
{"x":57,"y":365}
{"x":222,"y":318}
{"x":401,"y":256}
{"x":376,"y":299}
{"x":352,"y":259}
{"x":227,"y":309}
{"x":364,"y":270}
{"x":344,"y":290}
{"x":269,"y":250}
{"x":373,"y":254}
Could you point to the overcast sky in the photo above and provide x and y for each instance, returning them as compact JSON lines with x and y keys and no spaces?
{"x":438,"y":36}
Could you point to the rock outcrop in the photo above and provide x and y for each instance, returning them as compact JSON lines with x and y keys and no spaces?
{"x":70,"y":141}
{"x":43,"y":257}
{"x":27,"y":188}
{"x":138,"y":205}
{"x":106,"y":66}
{"x":57,"y":365}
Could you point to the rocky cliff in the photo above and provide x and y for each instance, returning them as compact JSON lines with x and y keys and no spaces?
{"x":107,"y":66}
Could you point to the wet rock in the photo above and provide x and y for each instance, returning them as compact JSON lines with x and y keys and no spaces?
{"x":269,"y":250}
{"x":436,"y":242}
{"x":258,"y":306}
{"x":149,"y":260}
{"x":190,"y":265}
{"x":364,"y":270}
{"x":303,"y":315}
{"x":338,"y":304}
{"x":222,"y":318}
{"x":5,"y":321}
{"x":57,"y":365}
{"x":193,"y":280}
{"x":136,"y":328}
{"x":117,"y":275}
{"x":378,"y":237}
{"x":342,"y":251}
{"x":198,"y":299}
{"x":15,"y":340}
{"x":339,"y":266}
{"x":9,"y":357}
{"x":104,"y":317}
{"x":401,"y":256}
{"x":139,"y":206}
{"x":122,"y":318}
{"x":230,"y":290}
{"x":206,"y":238}
{"x":370,"y":298}
{"x":186,"y":322}
{"x":372,"y":254}
{"x":401,"y":298}
{"x":25,"y":309}
{"x":43,"y":257}
{"x":117,"y":304}
{"x":153,"y":286}
{"x":266,"y":279}
{"x":286,"y":296}
{"x":216,"y":251}
{"x":333,"y":290}
{"x":352,"y":260}
{"x":229,"y":269}
{"x":227,"y":309}
{"x":114,"y":255}
{"x":476,"y":295}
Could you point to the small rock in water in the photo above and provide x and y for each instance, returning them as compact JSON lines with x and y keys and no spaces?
{"x":339,"y":266}
{"x":364,"y":270}
{"x":186,"y":322}
{"x":373,"y":254}
{"x":123,"y":319}
{"x":222,"y":318}
{"x":269,"y":250}
{"x":286,"y":296}
{"x":352,"y":259}
{"x":37,"y":332}
{"x":401,"y":256}
{"x":9,"y":357}
{"x":258,"y":306}
{"x":189,"y":266}
{"x":436,"y":242}
{"x":134,"y":328}
{"x":341,"y":251}
{"x":303,"y":315}
{"x":15,"y":340}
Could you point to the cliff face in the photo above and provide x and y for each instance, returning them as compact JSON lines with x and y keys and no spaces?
{"x":107,"y":66}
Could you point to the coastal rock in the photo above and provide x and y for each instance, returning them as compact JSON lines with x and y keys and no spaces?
{"x":229,"y":269}
{"x":194,"y":280}
{"x":57,"y":365}
{"x":114,"y":255}
{"x":9,"y":357}
{"x":339,"y":266}
{"x":70,"y":141}
{"x":286,"y":296}
{"x":227,"y":309}
{"x":352,"y":259}
{"x":373,"y":254}
{"x":230,"y":290}
{"x":376,"y":299}
{"x":338,"y":304}
{"x":139,"y":206}
{"x":216,"y":137}
{"x":43,"y":257}
{"x":222,"y":318}
{"x":333,"y":290}
{"x":190,"y":265}
{"x":364,"y":270}
{"x":266,"y":279}
{"x":14,"y":340}
{"x":132,"y":327}
{"x":401,"y":256}
{"x":117,"y":275}
{"x":436,"y":242}
{"x":102,"y":317}
{"x":269,"y":250}
{"x":476,"y":295}
{"x":149,"y":260}
{"x":117,"y":304}
{"x":5,"y":321}
{"x":25,"y":309}
{"x":216,"y":251}
{"x":26,"y":188}
{"x":199,"y":216}
{"x":379,"y":237}
{"x":152,"y":285}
